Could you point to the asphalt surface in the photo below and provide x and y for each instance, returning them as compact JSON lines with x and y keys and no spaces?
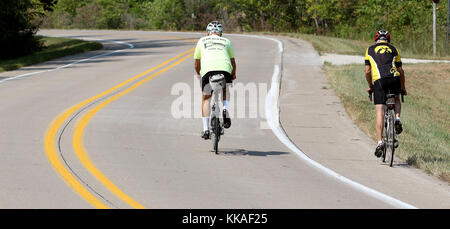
{"x":102,"y":133}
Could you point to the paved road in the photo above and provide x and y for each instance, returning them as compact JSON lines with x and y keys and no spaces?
{"x":102,"y":133}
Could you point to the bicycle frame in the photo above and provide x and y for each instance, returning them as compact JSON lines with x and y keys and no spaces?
{"x":217,"y":83}
{"x":389,"y":136}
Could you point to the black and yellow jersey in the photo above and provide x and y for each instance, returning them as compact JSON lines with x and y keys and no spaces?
{"x":384,"y":59}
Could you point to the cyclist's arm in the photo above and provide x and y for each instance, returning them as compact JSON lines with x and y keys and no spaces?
{"x":398,"y":65}
{"x":197,"y":66}
{"x":368,"y":70}
{"x":233,"y":72}
{"x":369,"y":77}
{"x":197,"y":57}
{"x":230,"y":51}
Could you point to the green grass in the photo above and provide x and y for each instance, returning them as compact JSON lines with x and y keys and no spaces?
{"x":425,"y":141}
{"x":53,"y":48}
{"x":326,"y":44}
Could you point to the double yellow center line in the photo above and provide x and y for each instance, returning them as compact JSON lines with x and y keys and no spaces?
{"x":78,"y":146}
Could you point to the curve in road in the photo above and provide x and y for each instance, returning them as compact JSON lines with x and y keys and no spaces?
{"x":158,"y":159}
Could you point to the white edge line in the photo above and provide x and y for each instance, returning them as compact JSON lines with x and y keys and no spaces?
{"x":130,"y":46}
{"x":272,"y":114}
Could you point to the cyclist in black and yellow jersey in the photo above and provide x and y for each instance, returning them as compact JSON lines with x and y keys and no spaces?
{"x":384,"y":74}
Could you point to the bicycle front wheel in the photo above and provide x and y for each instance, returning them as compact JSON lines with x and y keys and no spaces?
{"x":392,"y":148}
{"x":385,"y":139}
{"x":216,"y":134}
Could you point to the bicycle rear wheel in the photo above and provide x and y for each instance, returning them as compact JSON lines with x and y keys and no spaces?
{"x":390,"y":133}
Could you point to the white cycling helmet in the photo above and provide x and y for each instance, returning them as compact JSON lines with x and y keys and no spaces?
{"x":214,"y":27}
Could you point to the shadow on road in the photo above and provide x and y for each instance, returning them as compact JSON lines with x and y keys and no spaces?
{"x":141,"y":48}
{"x":243,"y":152}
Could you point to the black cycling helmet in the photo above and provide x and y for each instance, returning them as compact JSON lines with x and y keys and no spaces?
{"x":214,"y":27}
{"x":383,"y":35}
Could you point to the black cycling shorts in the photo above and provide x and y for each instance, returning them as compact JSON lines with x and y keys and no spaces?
{"x":206,"y":88}
{"x":384,"y":86}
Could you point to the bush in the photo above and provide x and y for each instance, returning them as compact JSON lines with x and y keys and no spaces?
{"x":87,"y":17}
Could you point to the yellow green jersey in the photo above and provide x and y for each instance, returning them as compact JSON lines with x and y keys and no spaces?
{"x":214,"y":53}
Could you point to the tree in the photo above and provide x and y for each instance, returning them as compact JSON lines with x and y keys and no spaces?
{"x":166,"y":14}
{"x":19,"y":24}
{"x":16,"y":28}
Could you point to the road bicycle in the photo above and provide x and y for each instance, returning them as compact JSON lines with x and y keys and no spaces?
{"x":390,"y":139}
{"x":218,"y":83}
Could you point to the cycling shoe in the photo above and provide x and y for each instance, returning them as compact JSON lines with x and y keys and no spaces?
{"x":226,"y":119}
{"x":205,"y":134}
{"x":379,"y":150}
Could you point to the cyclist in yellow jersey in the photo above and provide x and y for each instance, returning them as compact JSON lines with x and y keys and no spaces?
{"x":214,"y":55}
{"x":384,"y":74}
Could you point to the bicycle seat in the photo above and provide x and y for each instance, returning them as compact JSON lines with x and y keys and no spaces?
{"x":217,"y":81}
{"x":390,"y":99}
{"x":390,"y":96}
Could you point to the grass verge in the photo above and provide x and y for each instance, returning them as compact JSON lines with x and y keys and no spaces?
{"x":54,"y":47}
{"x":327,"y":44}
{"x":425,"y":141}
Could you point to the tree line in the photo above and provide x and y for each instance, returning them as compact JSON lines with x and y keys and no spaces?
{"x":336,"y":17}
{"x":407,"y":20}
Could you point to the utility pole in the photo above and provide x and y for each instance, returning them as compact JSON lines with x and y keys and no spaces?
{"x":434,"y":28}
{"x":448,"y":22}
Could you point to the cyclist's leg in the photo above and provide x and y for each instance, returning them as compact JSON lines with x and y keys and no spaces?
{"x":226,"y":99}
{"x":379,"y":96}
{"x":398,"y":105}
{"x":206,"y":103}
{"x":206,"y":100}
{"x":397,"y":124}
{"x":398,"y":109}
{"x":379,"y":100}
{"x":379,"y":109}
{"x":225,"y":94}
{"x":396,"y":88}
{"x":225,"y":113}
